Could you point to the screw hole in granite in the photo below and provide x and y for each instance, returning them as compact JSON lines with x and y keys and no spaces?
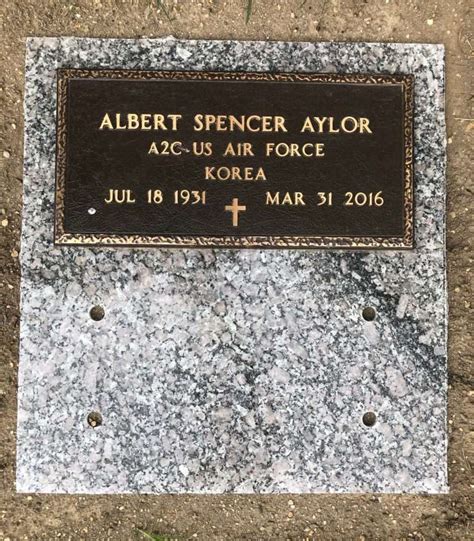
{"x":94,"y":419}
{"x":369,"y":418}
{"x":97,"y":313}
{"x":368,"y":313}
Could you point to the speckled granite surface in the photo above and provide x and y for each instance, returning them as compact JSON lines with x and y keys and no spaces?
{"x":219,"y":370}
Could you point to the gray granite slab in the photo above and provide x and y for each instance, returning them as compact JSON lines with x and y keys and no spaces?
{"x":232,"y":371}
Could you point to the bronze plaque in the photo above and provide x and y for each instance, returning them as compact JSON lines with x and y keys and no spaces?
{"x":239,"y":160}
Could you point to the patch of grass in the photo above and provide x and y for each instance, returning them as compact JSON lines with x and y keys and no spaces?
{"x":161,"y":6}
{"x":248,"y":11}
{"x":155,"y":537}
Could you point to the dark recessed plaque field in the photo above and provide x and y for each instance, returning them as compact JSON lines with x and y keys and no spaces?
{"x":226,"y":159}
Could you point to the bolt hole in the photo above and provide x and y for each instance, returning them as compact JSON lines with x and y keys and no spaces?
{"x":94,"y":419}
{"x":97,"y":313}
{"x":92,"y":211}
{"x":369,"y":418}
{"x":368,"y":313}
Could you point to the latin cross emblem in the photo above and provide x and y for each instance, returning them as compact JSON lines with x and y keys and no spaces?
{"x":235,"y":208}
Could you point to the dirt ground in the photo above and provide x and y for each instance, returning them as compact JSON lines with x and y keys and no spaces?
{"x":359,"y":517}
